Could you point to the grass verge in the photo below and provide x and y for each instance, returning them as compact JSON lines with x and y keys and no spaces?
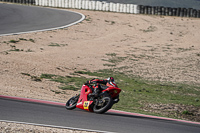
{"x":142,"y":96}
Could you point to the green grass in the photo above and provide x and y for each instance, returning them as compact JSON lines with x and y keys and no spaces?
{"x":111,"y":22}
{"x":21,"y":39}
{"x":114,"y":59}
{"x":136,"y":92}
{"x":57,"y":45}
{"x":13,"y":41}
{"x":67,"y":82}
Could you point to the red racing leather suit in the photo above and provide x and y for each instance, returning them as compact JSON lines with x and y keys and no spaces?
{"x":102,"y":84}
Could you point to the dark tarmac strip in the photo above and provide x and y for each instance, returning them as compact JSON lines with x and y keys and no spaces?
{"x":22,"y":111}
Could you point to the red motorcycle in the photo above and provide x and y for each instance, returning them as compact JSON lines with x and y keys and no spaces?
{"x":100,"y":104}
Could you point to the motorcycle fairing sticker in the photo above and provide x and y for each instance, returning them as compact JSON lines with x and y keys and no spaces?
{"x":86,"y":104}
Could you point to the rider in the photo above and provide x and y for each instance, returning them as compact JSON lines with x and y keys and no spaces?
{"x":101,"y":84}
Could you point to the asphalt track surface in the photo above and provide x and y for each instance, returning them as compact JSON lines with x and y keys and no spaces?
{"x":15,"y":19}
{"x":29,"y":112}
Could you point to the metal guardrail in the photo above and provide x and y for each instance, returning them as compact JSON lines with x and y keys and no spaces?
{"x":168,"y":11}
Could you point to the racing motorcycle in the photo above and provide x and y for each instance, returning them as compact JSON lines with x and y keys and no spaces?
{"x":100,"y":104}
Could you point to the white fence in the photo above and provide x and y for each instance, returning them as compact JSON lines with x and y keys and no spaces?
{"x":90,"y":5}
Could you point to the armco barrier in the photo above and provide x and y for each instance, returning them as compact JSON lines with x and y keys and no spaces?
{"x":168,"y":11}
{"x":113,"y":7}
{"x":31,"y":2}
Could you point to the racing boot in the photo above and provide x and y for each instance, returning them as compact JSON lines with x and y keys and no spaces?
{"x":95,"y":95}
{"x":96,"y":92}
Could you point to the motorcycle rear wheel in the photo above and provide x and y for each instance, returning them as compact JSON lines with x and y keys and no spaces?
{"x":103,"y":105}
{"x":71,"y":103}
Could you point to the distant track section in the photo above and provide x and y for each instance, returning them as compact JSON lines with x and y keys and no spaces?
{"x":17,"y":19}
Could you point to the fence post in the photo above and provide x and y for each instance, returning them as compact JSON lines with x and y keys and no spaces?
{"x":111,"y":7}
{"x":100,"y":6}
{"x":107,"y":6}
{"x":163,"y":11}
{"x":145,"y":9}
{"x":173,"y":11}
{"x":69,"y":3}
{"x":36,"y":2}
{"x":82,"y":4}
{"x":41,"y":2}
{"x":63,"y":3}
{"x":117,"y":7}
{"x":166,"y":11}
{"x":121,"y":7}
{"x":93,"y":5}
{"x":87,"y":4}
{"x":127,"y":8}
{"x":56,"y":3}
{"x":159,"y":10}
{"x":150,"y":10}
{"x":103,"y":6}
{"x":195,"y":13}
{"x":45,"y":3}
{"x":49,"y":3}
{"x":184,"y":12}
{"x":188,"y":12}
{"x":72,"y":4}
{"x":141,"y":7}
{"x":75,"y":4}
{"x":90,"y":5}
{"x":53,"y":3}
{"x":181,"y":12}
{"x":191,"y":12}
{"x":131,"y":8}
{"x":114,"y":7}
{"x":198,"y":14}
{"x":124,"y":8}
{"x":177,"y":12}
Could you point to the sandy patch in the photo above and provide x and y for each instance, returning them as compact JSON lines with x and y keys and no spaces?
{"x":156,"y":48}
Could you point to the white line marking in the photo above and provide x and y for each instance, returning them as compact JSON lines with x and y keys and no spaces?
{"x":53,"y":126}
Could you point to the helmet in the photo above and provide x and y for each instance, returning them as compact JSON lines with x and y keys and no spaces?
{"x":111,"y":81}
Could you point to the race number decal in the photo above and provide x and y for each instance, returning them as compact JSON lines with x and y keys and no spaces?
{"x":86,"y":104}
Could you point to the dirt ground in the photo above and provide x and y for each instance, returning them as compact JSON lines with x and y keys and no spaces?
{"x":8,"y":127}
{"x":161,"y":48}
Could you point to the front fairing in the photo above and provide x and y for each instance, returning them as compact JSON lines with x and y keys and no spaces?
{"x":113,"y":91}
{"x":83,"y":102}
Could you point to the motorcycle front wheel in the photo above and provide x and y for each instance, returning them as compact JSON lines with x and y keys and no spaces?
{"x":103,"y":105}
{"x":71,"y":103}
